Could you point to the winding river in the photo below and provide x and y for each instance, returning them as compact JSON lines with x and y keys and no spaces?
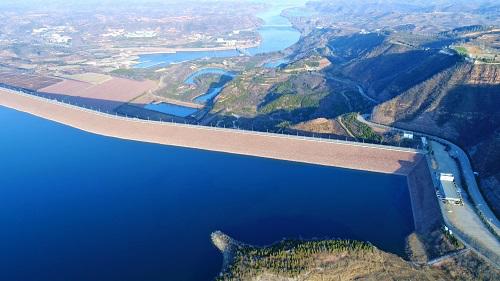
{"x":277,"y":33}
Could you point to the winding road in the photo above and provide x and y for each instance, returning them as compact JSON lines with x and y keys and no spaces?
{"x":475,"y":223}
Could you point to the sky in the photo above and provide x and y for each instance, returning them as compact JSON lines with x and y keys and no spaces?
{"x":103,"y":3}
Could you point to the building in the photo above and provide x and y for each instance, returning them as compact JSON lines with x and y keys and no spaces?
{"x":57,"y":38}
{"x":141,"y":34}
{"x":449,"y":190}
{"x":408,"y":135}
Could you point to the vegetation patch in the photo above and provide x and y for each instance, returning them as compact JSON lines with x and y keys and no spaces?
{"x":137,"y":73}
{"x":360,"y":130}
{"x":290,"y":102}
{"x":288,"y":258}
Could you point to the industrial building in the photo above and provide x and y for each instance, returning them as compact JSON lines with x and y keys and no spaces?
{"x":449,"y":190}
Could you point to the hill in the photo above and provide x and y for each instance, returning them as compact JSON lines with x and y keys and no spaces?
{"x":325,"y":260}
{"x":459,"y":103}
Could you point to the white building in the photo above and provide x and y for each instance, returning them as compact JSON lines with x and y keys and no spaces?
{"x":448,"y":189}
{"x":59,"y":39}
{"x":408,"y":135}
{"x":141,"y":34}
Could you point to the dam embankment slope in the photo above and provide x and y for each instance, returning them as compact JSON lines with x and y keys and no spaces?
{"x":283,"y":147}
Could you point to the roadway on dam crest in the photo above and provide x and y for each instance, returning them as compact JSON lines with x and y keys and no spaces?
{"x":375,"y":158}
{"x":465,"y":221}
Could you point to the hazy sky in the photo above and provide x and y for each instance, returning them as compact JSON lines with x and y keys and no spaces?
{"x":118,"y":3}
{"x":42,"y":3}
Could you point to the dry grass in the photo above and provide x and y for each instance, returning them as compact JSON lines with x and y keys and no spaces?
{"x":92,"y":78}
{"x":26,"y":81}
{"x":106,"y":96}
{"x":320,"y":125}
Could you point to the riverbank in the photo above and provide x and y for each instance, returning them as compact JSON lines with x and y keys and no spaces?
{"x":341,"y":154}
{"x":161,"y":50}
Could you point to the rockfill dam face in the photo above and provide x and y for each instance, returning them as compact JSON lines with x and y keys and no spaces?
{"x":374,"y":158}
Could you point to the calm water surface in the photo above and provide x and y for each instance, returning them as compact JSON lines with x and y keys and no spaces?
{"x":190,"y":80}
{"x":213,"y":91}
{"x":172,"y":109}
{"x":277,"y":34}
{"x":78,"y":206}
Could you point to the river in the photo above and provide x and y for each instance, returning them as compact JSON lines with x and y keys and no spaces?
{"x":277,"y":33}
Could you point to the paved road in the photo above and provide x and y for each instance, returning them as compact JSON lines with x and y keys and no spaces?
{"x":448,"y":256}
{"x":341,"y":123}
{"x":328,"y":152}
{"x":354,"y":84}
{"x":464,"y":218}
{"x":467,"y":172}
{"x":467,"y":224}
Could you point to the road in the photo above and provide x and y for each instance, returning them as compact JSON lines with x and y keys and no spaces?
{"x":466,"y":222}
{"x":341,"y":123}
{"x":467,"y":172}
{"x":354,"y":84}
{"x":319,"y":151}
{"x":377,"y":158}
{"x":463,"y":220}
{"x":448,"y":256}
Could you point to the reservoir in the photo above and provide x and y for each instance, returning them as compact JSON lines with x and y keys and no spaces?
{"x":172,"y":109}
{"x":214,"y":90}
{"x":79,"y":206}
{"x":190,"y":80}
{"x":276,"y":34}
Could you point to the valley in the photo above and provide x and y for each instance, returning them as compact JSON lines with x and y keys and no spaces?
{"x":399,"y":89}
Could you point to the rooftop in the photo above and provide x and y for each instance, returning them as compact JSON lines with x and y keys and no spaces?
{"x":448,"y":187}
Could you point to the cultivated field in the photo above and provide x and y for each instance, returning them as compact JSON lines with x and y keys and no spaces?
{"x":27,"y":81}
{"x":92,"y":78}
{"x":105,"y":96}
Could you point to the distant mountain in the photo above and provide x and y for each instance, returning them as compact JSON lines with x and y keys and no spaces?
{"x":430,"y":90}
{"x":422,"y":85}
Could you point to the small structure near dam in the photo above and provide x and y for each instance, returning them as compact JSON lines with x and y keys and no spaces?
{"x":449,"y":190}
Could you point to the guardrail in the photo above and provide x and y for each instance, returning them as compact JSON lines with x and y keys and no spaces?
{"x":97,"y":111}
{"x":465,"y":239}
{"x":471,"y":243}
{"x":472,"y":188}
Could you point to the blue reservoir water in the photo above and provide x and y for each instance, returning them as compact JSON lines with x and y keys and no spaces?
{"x":211,"y":70}
{"x":150,"y":60}
{"x":172,"y":109}
{"x":213,"y":91}
{"x":184,"y":111}
{"x":277,"y":34}
{"x":77,"y":206}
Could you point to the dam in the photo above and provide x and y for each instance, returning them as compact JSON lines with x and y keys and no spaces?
{"x":375,"y":158}
{"x":147,"y":210}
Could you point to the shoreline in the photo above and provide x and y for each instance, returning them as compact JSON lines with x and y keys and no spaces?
{"x":161,"y":50}
{"x":340,"y":154}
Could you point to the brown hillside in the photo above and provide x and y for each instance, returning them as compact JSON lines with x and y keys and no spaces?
{"x":462,"y":104}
